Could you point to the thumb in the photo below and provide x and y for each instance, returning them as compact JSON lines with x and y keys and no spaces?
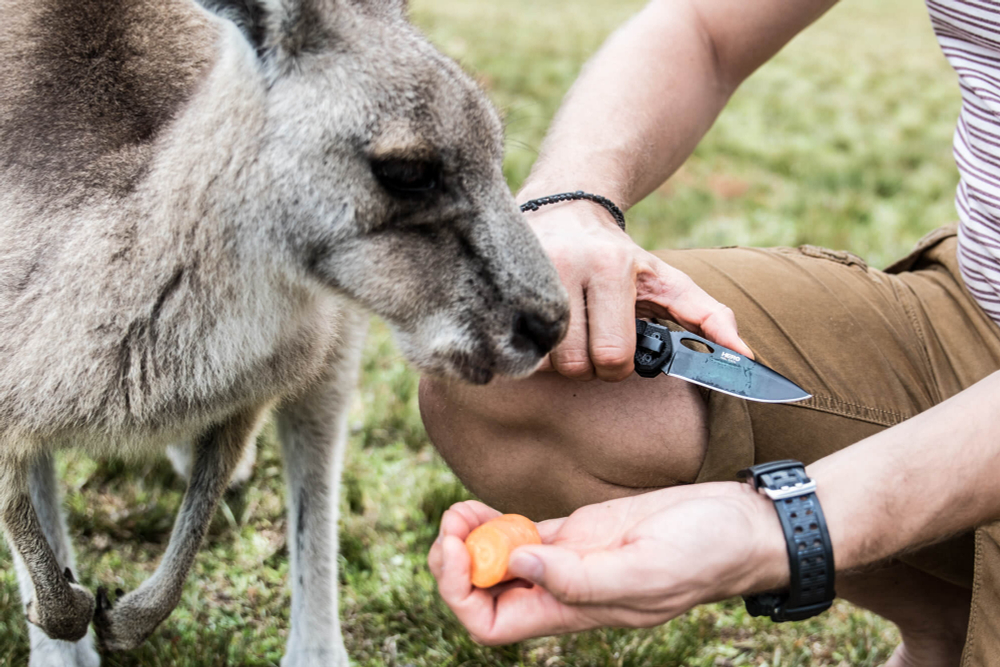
{"x":572,"y":578}
{"x":690,"y":305}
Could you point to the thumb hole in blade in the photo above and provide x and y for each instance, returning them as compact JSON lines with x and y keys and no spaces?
{"x":697,"y":346}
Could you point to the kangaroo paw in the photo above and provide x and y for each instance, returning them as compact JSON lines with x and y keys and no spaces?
{"x":68,"y":622}
{"x":126,"y":622}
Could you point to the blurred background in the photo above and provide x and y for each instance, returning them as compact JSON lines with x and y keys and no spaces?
{"x":843,"y":141}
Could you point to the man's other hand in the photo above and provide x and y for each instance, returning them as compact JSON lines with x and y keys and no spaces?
{"x":632,"y":562}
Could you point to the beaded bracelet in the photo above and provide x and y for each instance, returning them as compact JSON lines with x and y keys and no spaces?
{"x":534,"y":204}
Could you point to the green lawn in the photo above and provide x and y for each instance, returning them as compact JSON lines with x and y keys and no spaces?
{"x":843,"y":140}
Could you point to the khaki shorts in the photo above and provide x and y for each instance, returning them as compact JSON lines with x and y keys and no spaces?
{"x":873,"y":348}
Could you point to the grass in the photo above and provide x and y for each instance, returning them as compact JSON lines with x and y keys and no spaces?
{"x":843,"y":140}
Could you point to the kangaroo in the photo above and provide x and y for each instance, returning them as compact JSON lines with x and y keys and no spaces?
{"x":200,"y":204}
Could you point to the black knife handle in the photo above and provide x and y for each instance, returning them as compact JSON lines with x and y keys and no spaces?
{"x":652,"y":348}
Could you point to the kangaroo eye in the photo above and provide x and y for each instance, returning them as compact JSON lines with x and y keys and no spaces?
{"x":407,"y":177}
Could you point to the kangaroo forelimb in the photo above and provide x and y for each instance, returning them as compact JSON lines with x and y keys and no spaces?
{"x":60,"y":607}
{"x":126,"y":623}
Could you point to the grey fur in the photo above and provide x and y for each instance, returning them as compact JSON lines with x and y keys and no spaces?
{"x":45,"y":651}
{"x":128,"y":623}
{"x":191,"y":230}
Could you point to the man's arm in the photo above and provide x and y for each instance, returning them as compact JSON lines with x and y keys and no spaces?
{"x":640,"y":561}
{"x":919,"y":482}
{"x":634,"y":115}
{"x":641,"y":105}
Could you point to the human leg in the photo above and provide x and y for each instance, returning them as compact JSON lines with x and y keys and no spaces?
{"x":932,"y":614}
{"x":547,"y":445}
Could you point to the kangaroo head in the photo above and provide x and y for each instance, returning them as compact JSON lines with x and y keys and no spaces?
{"x":384,"y":183}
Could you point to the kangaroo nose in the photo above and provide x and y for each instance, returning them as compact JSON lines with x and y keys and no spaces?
{"x":532,"y":330}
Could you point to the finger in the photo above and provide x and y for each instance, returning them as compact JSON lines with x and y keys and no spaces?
{"x":720,"y":326}
{"x":546,"y":365}
{"x":688,"y":304}
{"x":504,"y":586}
{"x":494,"y":616}
{"x":461,"y":518}
{"x":435,"y":557}
{"x":473,"y":606}
{"x":523,"y":613}
{"x":475,"y":512}
{"x":611,"y":322}
{"x":571,"y":358}
{"x":455,"y":582}
{"x":574,"y":578}
{"x":548,"y":530}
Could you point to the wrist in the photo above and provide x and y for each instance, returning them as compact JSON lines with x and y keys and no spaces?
{"x":543,"y":187}
{"x":769,"y":568}
{"x":578,"y":219}
{"x":810,"y":590}
{"x":616,"y":213}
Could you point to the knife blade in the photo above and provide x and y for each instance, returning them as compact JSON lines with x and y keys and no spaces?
{"x":661,"y":350}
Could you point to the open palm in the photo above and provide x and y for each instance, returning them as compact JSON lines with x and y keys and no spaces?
{"x":632,"y":562}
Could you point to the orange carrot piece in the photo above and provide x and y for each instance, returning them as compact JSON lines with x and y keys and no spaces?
{"x":490,"y":545}
{"x":521,"y":529}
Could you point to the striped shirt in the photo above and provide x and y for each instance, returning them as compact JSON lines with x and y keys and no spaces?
{"x":969,"y":34}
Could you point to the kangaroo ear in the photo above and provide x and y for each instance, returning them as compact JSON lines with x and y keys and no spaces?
{"x":277,"y":29}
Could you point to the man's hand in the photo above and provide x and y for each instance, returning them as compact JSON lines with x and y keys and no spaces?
{"x":633,"y":562}
{"x":611,"y":281}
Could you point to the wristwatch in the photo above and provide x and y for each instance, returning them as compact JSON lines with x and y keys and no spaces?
{"x":810,"y":552}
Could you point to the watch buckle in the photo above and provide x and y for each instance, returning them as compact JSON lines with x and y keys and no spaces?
{"x":782,"y":615}
{"x":792,"y":491}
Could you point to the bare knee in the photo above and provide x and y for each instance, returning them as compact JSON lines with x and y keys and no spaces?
{"x":547,"y":445}
{"x":490,"y":443}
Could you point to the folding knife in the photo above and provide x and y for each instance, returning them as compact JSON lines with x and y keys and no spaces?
{"x":660,"y":350}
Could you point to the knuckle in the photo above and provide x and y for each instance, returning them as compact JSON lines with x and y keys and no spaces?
{"x":611,"y":357}
{"x":577,"y":370}
{"x":724,"y":311}
{"x":616,"y":375}
{"x":721,"y":315}
{"x":560,"y":260}
{"x":614,"y":263}
{"x":574,"y":365}
{"x":607,"y":263}
{"x":671,"y":275}
{"x":572,"y":592}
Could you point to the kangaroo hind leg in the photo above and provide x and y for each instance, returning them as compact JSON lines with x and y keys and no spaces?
{"x":313,"y":434}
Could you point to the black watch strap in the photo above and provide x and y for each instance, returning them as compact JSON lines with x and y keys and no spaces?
{"x":810,"y":552}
